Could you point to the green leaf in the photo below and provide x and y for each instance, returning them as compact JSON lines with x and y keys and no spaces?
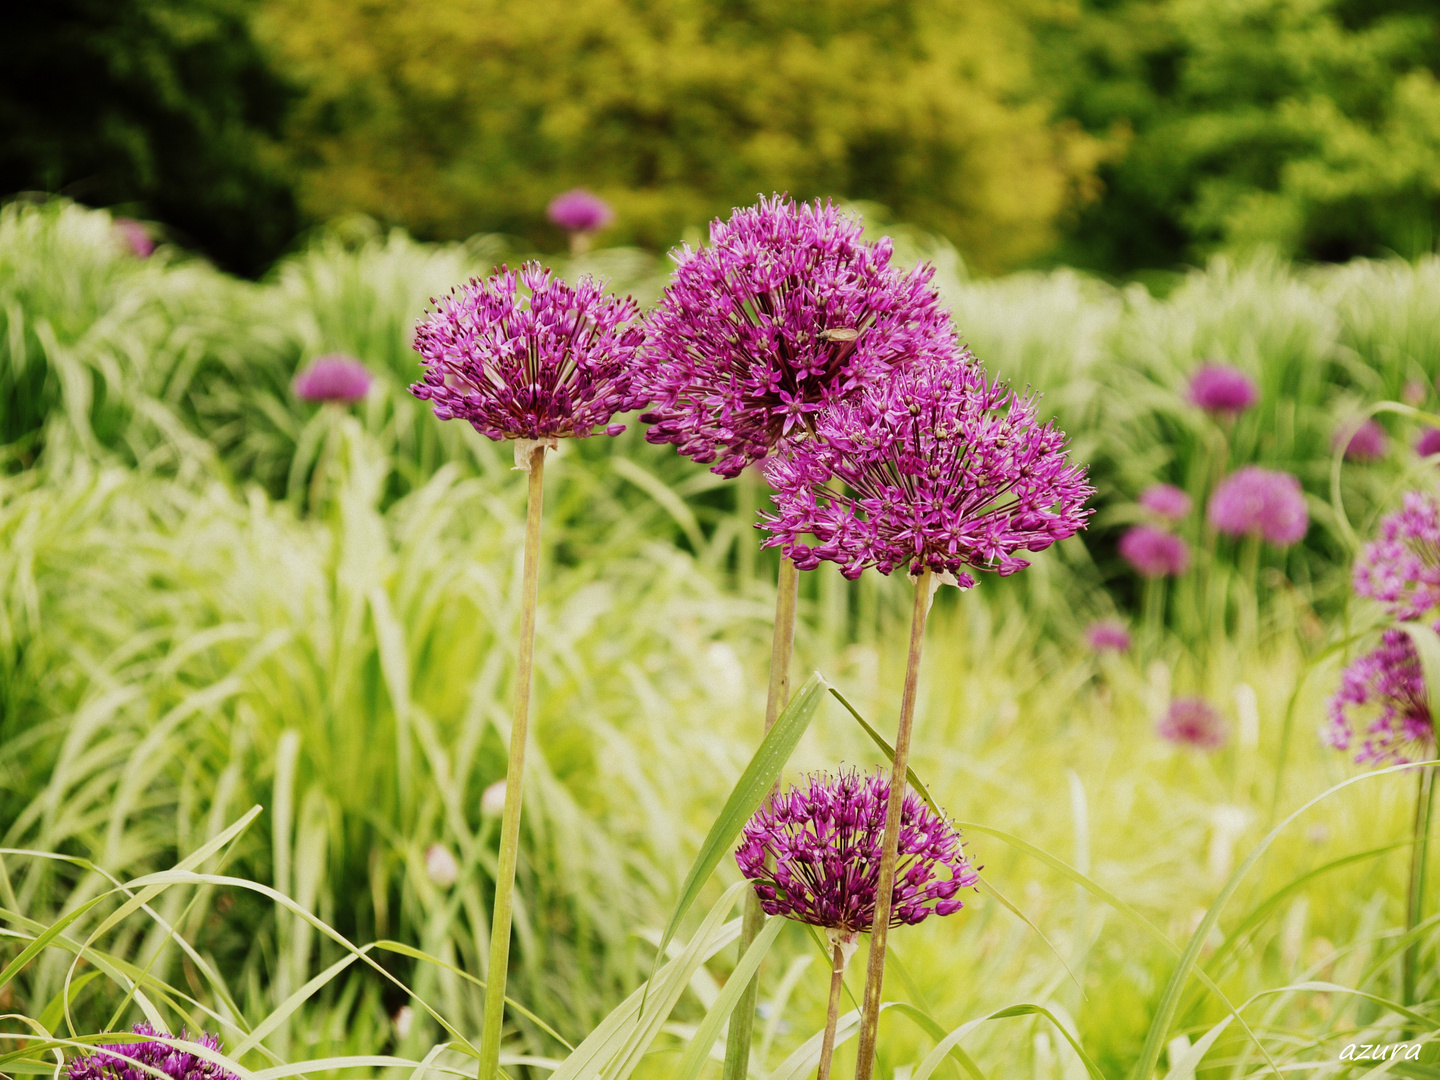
{"x":1427,"y":644}
{"x":62,"y":1001}
{"x":933,"y":1059}
{"x":886,"y":749}
{"x":699,"y":1050}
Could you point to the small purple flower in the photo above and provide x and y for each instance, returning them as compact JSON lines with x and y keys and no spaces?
{"x":1165,"y":501}
{"x":333,"y":378}
{"x":1222,"y":390}
{"x":1401,"y":569}
{"x":1193,"y":721}
{"x":785,"y":312}
{"x":1155,"y":553}
{"x":176,"y":1064}
{"x":1365,"y":442}
{"x":580,"y":211}
{"x":1382,"y":704}
{"x":136,"y":236}
{"x":814,"y":855}
{"x":554,"y":362}
{"x":942,"y":466}
{"x":1108,"y":635}
{"x":1260,"y":502}
{"x":1414,"y":392}
{"x":1428,"y":443}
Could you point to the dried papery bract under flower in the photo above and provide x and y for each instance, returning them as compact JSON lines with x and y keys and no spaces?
{"x":785,"y":312}
{"x":1401,"y":569}
{"x":103,"y":1064}
{"x":1382,"y":706}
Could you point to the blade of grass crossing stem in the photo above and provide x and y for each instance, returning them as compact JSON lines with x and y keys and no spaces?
{"x":699,"y":1050}
{"x":933,"y":1059}
{"x":1184,"y":1069}
{"x":745,"y":798}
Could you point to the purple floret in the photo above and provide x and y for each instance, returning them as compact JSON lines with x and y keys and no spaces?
{"x":1165,"y":501}
{"x":103,"y":1064}
{"x":1223,"y":390}
{"x":333,"y":378}
{"x":1382,"y":705}
{"x":787,"y":311}
{"x":822,"y":841}
{"x":1401,"y":569}
{"x":1193,"y":722}
{"x":1155,"y":553}
{"x":580,"y":211}
{"x":551,"y":362}
{"x":1260,"y":502}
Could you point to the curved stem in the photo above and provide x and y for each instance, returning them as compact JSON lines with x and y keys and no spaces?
{"x":889,"y":848}
{"x":782,"y":647}
{"x":1419,"y":856}
{"x":832,"y":1013}
{"x":514,"y":777}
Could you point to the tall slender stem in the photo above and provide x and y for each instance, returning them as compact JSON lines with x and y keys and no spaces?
{"x":889,"y":849}
{"x":782,"y":646}
{"x":514,"y":778}
{"x":1419,"y":857}
{"x":832,"y":1013}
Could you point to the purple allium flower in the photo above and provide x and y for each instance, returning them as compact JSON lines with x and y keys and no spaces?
{"x":1166,"y":501}
{"x":1382,"y":703}
{"x":176,"y":1064}
{"x":787,"y":311}
{"x":136,"y":236}
{"x":1366,"y":442}
{"x":333,"y":378}
{"x":1260,"y":502}
{"x":822,"y":841}
{"x":1414,"y":392}
{"x":1155,"y":553}
{"x":1193,"y":721}
{"x":943,"y":468}
{"x":580,"y":211}
{"x":1224,"y":390}
{"x":1108,"y":635}
{"x":1428,"y":443}
{"x":553,"y":362}
{"x":1401,"y":569}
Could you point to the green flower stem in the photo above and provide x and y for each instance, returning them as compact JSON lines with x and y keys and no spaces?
{"x":1419,"y":856}
{"x":890,"y":844}
{"x":514,"y":776}
{"x":782,"y":646}
{"x":832,"y":1013}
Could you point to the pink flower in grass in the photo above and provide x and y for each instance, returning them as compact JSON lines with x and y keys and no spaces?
{"x":1193,"y":722}
{"x":333,"y":378}
{"x":1222,"y":390}
{"x":1364,"y":442}
{"x":1260,"y":502}
{"x":1108,"y":635}
{"x":1155,"y":553}
{"x":1165,"y":501}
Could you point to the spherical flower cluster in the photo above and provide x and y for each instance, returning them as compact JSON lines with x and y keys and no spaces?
{"x":1382,"y":704}
{"x":557,"y":362}
{"x":1260,"y":502}
{"x":822,"y":841}
{"x":1366,"y":441}
{"x":1222,"y":390}
{"x":785,"y":312}
{"x":580,"y":211}
{"x":1108,"y":635}
{"x":333,"y":378}
{"x":176,"y":1064}
{"x":1401,"y":569}
{"x":1165,"y":501}
{"x":1155,"y":553}
{"x":942,"y":466}
{"x":1428,"y":443}
{"x":1193,"y":722}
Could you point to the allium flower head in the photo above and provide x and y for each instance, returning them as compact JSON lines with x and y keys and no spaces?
{"x":1155,"y":553}
{"x":1223,"y":390}
{"x":1401,"y":569}
{"x":1166,"y":501}
{"x":1260,"y":502}
{"x":1108,"y":635}
{"x":1382,"y":705}
{"x":786,"y":311}
{"x":1364,"y":442}
{"x":1428,"y":443}
{"x":823,"y":842}
{"x":333,"y":378}
{"x":943,"y":468}
{"x":549,"y":362}
{"x":580,"y":211}
{"x":1193,"y":721}
{"x":176,"y":1064}
{"x":136,"y":237}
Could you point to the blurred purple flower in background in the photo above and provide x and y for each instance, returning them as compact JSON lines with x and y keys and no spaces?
{"x":1222,"y":390}
{"x":1428,"y":443}
{"x":556,"y":363}
{"x":1414,"y":392}
{"x":1166,"y":501}
{"x":1155,"y":553}
{"x":580,"y":211}
{"x":334,"y":377}
{"x":1108,"y":635}
{"x":1193,"y":722}
{"x":1260,"y":502}
{"x":1382,"y":703}
{"x":1365,"y":442}
{"x":176,"y":1064}
{"x":814,"y":855}
{"x":1401,"y":569}
{"x":786,"y":311}
{"x":945,"y":468}
{"x":136,"y":236}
